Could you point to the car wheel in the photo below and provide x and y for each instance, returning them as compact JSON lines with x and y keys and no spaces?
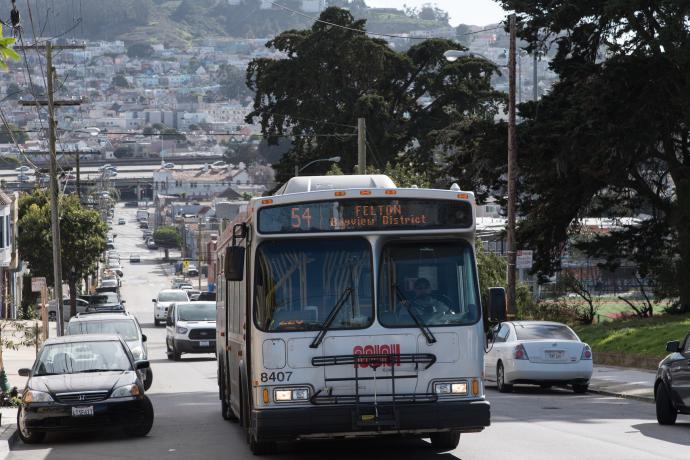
{"x":503,"y":387}
{"x":175,"y":354}
{"x":25,"y":434}
{"x":580,"y":388}
{"x":666,"y":414}
{"x":445,"y":441}
{"x":145,"y":426}
{"x":149,"y":379}
{"x":156,"y":322}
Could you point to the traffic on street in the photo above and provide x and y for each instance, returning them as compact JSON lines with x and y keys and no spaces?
{"x":188,"y":422}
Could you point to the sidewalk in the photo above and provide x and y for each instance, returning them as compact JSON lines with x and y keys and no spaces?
{"x":623,"y":382}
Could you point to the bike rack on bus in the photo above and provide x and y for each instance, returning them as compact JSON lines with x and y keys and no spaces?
{"x":374,"y":361}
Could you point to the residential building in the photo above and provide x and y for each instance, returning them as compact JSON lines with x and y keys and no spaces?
{"x":198,"y":183}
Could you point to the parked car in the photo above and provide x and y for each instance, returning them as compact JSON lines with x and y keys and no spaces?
{"x":672,"y":385}
{"x":146,"y":234}
{"x":110,"y":283}
{"x":23,"y":177}
{"x":168,"y":165}
{"x":193,"y":294}
{"x":538,"y":353}
{"x":121,"y":221}
{"x":143,"y":224}
{"x":192,"y":271}
{"x":190,"y":327}
{"x":134,"y":258}
{"x":162,"y":302}
{"x":186,"y":287}
{"x":104,"y":302}
{"x":84,"y":381}
{"x":122,"y":324}
{"x":207,"y":296}
{"x":82,"y":305}
{"x":109,"y":245}
{"x":151,"y":244}
{"x":24,"y":169}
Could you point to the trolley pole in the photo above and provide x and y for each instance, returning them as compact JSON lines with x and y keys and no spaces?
{"x":512,"y":175}
{"x":361,"y":146}
{"x":54,"y":189}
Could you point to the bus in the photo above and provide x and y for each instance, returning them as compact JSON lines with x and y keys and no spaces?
{"x":348,"y":307}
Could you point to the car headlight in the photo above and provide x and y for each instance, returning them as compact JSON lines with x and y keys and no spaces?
{"x":290,"y":394}
{"x":126,"y":391}
{"x":34,"y":396}
{"x":181,"y":330}
{"x":450,"y":388}
{"x":137,"y":352}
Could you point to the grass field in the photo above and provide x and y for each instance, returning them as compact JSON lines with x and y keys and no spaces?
{"x":636,"y":336}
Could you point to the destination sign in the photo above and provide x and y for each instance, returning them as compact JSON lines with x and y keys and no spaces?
{"x":374,"y":214}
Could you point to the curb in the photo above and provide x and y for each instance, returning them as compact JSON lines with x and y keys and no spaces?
{"x":8,"y":438}
{"x":621,"y":395}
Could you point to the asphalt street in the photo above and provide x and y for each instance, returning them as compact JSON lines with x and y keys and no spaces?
{"x":530,"y":424}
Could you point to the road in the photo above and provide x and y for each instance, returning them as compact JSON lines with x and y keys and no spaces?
{"x":530,"y":424}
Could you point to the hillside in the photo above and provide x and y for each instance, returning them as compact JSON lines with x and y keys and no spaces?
{"x":179,"y":22}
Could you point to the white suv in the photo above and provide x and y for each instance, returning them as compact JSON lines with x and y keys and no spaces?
{"x":190,"y":328}
{"x":166,"y":298}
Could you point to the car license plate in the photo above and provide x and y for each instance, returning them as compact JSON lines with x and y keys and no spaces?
{"x":555,"y":355}
{"x":204,"y":343}
{"x":84,"y":411}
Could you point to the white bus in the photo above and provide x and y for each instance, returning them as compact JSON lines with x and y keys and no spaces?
{"x":349,"y":307}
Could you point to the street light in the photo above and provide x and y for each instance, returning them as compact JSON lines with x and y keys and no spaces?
{"x":299,"y":170}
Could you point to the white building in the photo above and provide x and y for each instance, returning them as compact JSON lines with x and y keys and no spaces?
{"x":198,"y":183}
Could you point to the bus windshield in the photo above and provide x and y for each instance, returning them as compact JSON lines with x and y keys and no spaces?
{"x":436,"y":280}
{"x":299,"y":282}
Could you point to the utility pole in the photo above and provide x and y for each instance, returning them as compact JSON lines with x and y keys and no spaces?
{"x":198,"y":251}
{"x":512,"y":174}
{"x":361,"y":146}
{"x":54,"y":189}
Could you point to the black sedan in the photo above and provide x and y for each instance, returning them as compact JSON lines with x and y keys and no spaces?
{"x":82,"y":383}
{"x":672,"y":386}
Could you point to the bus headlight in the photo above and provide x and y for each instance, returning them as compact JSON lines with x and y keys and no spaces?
{"x":450,"y":388}
{"x":290,"y":394}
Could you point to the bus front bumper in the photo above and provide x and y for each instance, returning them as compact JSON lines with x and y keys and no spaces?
{"x":332,"y":421}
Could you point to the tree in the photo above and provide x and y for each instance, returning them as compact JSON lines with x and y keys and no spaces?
{"x":232,"y":81}
{"x":82,"y":236}
{"x":119,"y":81}
{"x":13,"y":91}
{"x":167,"y":237}
{"x":6,"y":52}
{"x":6,"y":138}
{"x":140,"y":51}
{"x":331,"y":76}
{"x":602,"y":143}
{"x":605,"y":137}
{"x":125,"y":151}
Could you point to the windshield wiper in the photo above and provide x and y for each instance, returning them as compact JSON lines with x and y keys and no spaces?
{"x":331,"y":317}
{"x":420,"y":324}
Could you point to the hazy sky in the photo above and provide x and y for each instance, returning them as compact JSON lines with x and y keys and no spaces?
{"x":474,"y":12}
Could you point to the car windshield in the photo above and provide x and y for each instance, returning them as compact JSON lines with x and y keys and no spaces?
{"x":77,"y":357}
{"x":173,"y":297}
{"x":127,"y":329}
{"x":433,"y":281}
{"x":198,"y":311}
{"x":105,"y":298}
{"x":298,"y":283}
{"x":544,"y":332}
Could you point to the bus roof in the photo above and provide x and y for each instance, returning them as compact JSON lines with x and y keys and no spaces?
{"x":344,"y":182}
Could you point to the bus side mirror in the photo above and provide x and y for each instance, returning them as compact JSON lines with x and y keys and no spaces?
{"x":497,"y":304}
{"x":234,"y":263}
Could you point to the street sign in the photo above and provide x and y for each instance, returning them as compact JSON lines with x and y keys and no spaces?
{"x":38,"y":284}
{"x":523,"y":260}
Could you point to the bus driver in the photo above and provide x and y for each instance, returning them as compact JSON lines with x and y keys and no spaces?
{"x":423,"y":302}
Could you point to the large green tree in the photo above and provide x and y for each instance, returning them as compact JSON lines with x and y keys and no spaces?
{"x":611,"y":138}
{"x":333,"y":75}
{"x":82,"y":235}
{"x":167,"y":237}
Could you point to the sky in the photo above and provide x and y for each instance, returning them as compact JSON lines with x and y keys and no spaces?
{"x":473,"y":12}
